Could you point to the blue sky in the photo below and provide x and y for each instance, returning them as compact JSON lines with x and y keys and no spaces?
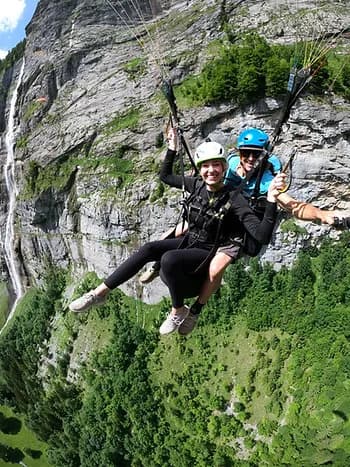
{"x":14,"y":16}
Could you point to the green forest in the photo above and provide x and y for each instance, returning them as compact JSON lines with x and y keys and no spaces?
{"x":263,"y":380}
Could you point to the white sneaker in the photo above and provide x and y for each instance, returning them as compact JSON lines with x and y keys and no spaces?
{"x":86,"y":301}
{"x":150,"y":274}
{"x":173,"y":322}
{"x":188,"y":324}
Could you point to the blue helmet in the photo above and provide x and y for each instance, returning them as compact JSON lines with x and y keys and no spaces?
{"x":253,"y":138}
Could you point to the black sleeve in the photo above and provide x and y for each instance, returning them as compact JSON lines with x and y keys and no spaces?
{"x":168,"y":177}
{"x":261,"y":230}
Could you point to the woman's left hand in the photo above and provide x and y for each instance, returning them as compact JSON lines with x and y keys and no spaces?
{"x":172,"y":138}
{"x":277,"y":185}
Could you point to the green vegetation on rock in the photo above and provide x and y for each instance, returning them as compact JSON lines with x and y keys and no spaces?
{"x":290,"y":226}
{"x":135,"y":68}
{"x":250,"y":68}
{"x":60,"y":174}
{"x":128,"y":120}
{"x":4,"y":303}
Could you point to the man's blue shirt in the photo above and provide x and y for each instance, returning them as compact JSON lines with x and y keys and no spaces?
{"x":232,"y":179}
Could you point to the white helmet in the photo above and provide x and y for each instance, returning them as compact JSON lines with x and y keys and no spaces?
{"x":208,"y":151}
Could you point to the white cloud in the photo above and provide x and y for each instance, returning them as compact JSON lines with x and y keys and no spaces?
{"x":10,"y":13}
{"x":3,"y":54}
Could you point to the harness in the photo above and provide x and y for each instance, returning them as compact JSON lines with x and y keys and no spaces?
{"x":257,"y":200}
{"x":204,"y":215}
{"x":205,"y":220}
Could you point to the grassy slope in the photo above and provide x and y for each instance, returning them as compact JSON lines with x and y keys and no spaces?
{"x":25,"y":439}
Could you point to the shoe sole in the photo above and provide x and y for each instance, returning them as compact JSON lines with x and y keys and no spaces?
{"x":148,"y":280}
{"x":87,"y":307}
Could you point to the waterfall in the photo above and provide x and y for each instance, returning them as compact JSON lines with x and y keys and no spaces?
{"x":9,"y":175}
{"x":71,"y":34}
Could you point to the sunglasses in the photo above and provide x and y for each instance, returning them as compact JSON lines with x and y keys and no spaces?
{"x":247,"y":152}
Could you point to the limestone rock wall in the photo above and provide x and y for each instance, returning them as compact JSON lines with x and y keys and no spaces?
{"x":90,"y":120}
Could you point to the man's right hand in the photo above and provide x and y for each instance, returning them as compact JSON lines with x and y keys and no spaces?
{"x":276,"y":186}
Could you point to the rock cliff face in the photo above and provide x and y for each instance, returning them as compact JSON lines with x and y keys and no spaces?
{"x":90,"y":118}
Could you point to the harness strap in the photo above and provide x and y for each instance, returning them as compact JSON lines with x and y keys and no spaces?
{"x":254,"y":172}
{"x":221,"y":214}
{"x":168,"y":92}
{"x":261,"y":170}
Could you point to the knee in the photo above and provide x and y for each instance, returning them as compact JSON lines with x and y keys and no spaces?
{"x":147,"y":249}
{"x":168,"y":262}
{"x":217,"y":267}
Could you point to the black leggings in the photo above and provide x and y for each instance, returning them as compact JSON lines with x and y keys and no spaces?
{"x":177,"y":268}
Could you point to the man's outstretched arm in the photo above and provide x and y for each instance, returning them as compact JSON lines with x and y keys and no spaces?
{"x":306,"y":211}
